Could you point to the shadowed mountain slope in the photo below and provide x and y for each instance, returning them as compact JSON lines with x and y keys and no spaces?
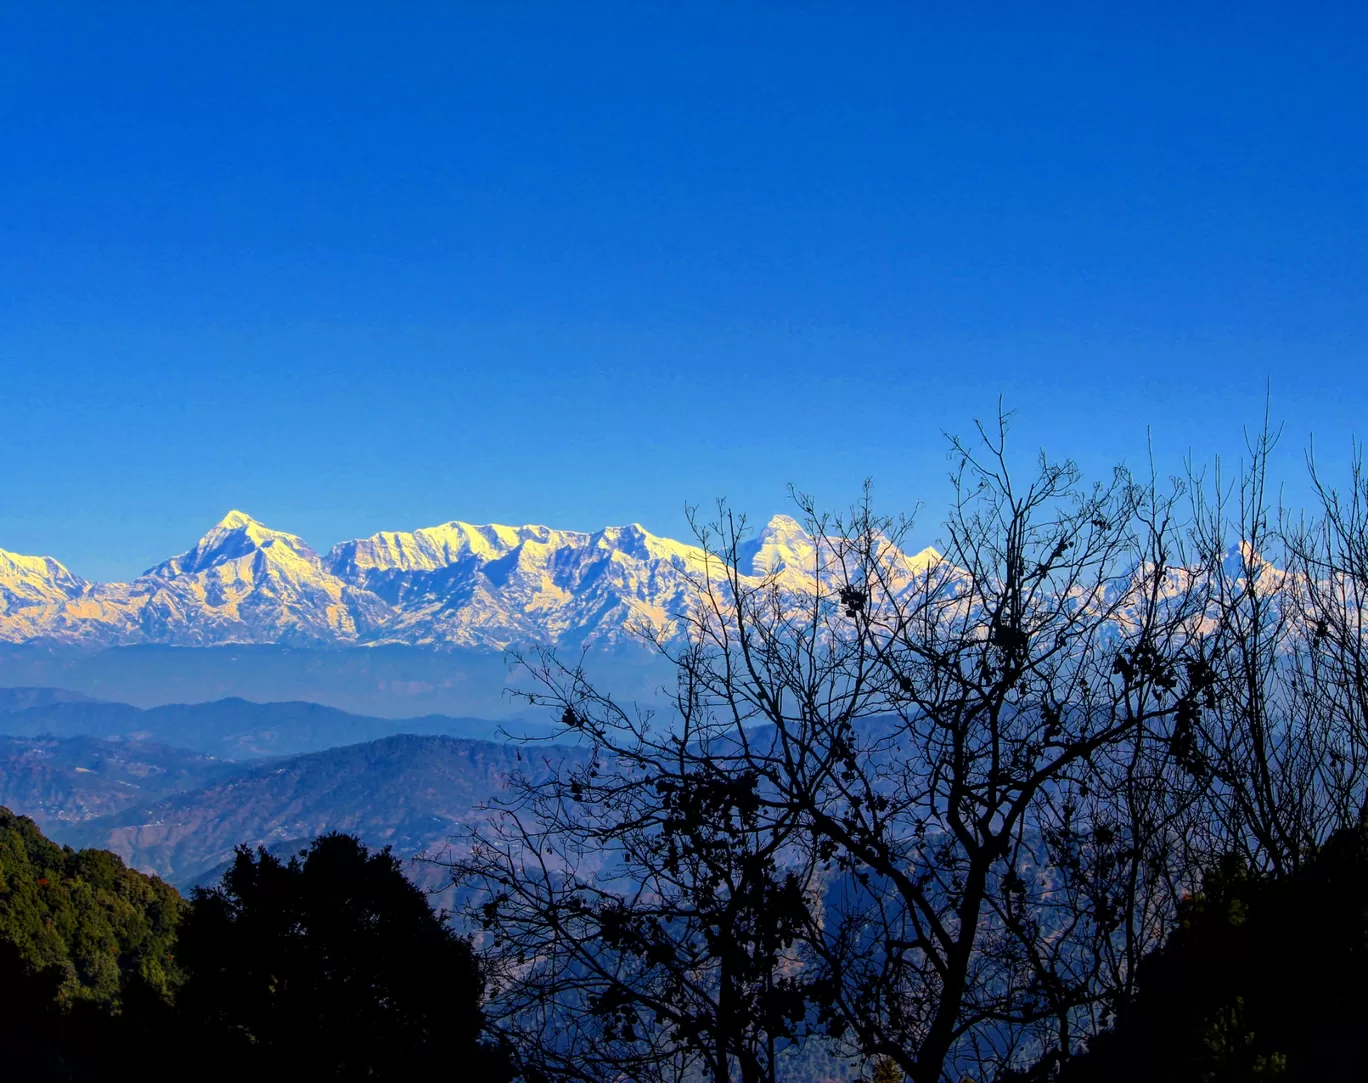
{"x":56,"y":780}
{"x":410,"y":792}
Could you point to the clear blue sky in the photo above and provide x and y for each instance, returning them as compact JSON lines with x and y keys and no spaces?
{"x":353,"y":267}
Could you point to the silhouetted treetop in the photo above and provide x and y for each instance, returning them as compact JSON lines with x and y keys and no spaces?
{"x":334,"y":964}
{"x":1262,"y":979}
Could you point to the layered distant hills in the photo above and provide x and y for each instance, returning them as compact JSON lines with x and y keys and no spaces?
{"x":173,"y":789}
{"x":66,"y":780}
{"x":234,"y":729}
{"x":444,"y":587}
{"x":409,"y":792}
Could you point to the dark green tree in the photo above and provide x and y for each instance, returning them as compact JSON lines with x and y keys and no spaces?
{"x":87,"y":967}
{"x":331,"y":965}
{"x":99,"y":924}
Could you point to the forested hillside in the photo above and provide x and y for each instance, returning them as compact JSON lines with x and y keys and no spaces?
{"x":330,"y":964}
{"x":83,"y":917}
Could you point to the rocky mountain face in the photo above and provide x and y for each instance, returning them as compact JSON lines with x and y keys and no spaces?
{"x":32,"y":588}
{"x":450,"y":586}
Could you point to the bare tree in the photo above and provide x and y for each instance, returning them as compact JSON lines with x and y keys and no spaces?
{"x":928,"y":799}
{"x":994,"y":866}
{"x":644,"y":904}
{"x":1328,"y":561}
{"x":1282,"y":641}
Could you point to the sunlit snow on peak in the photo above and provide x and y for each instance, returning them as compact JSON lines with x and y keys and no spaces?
{"x":456,"y":584}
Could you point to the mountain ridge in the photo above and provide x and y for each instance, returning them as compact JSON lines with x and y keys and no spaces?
{"x":410,"y":791}
{"x":454,"y":585}
{"x":233,"y":728}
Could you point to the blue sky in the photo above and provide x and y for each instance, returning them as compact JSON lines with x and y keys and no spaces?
{"x":349,"y":269}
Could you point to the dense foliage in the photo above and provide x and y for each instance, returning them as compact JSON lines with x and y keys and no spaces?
{"x":333,"y":965}
{"x":97,"y":925}
{"x":87,"y":963}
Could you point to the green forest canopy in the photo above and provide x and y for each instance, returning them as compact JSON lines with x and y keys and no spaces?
{"x":86,"y":913}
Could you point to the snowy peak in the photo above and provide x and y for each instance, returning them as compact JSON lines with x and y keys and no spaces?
{"x":383,"y":556}
{"x":493,"y":585}
{"x":246,"y":583}
{"x":922,"y":560}
{"x":782,"y":546}
{"x":1245,"y":564}
{"x":241,"y":583}
{"x":27,"y":581}
{"x":429,"y":548}
{"x":457,"y":584}
{"x":236,"y":520}
{"x":786,"y":551}
{"x":635,"y":541}
{"x":16,"y":566}
{"x":235,"y":536}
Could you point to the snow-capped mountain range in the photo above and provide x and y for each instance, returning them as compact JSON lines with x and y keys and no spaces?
{"x":448,"y":586}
